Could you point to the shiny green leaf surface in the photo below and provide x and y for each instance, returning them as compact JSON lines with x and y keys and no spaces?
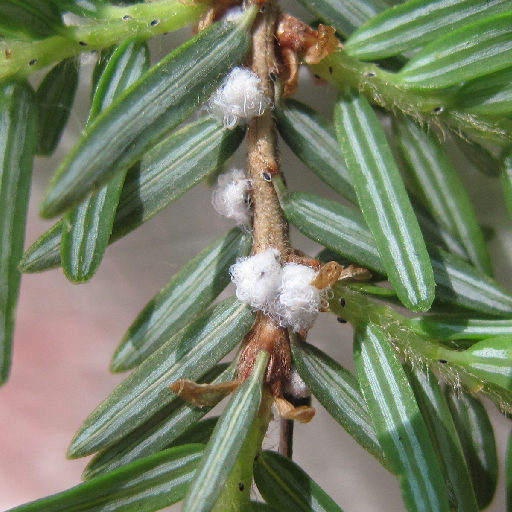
{"x":171,"y":168}
{"x":150,"y":484}
{"x":86,"y":231}
{"x":258,"y":506}
{"x":430,"y":169}
{"x":433,"y":232}
{"x":345,"y":15}
{"x":85,"y":9}
{"x":343,"y":230}
{"x":55,"y":97}
{"x":97,"y":72}
{"x":461,"y":284}
{"x":238,"y":488}
{"x":311,"y":137}
{"x":487,"y":95}
{"x":188,"y":293}
{"x":469,"y":52}
{"x":200,"y":432}
{"x":385,"y":89}
{"x":116,"y":23}
{"x":189,"y":354}
{"x":333,"y":225}
{"x":431,"y":401}
{"x":412,"y":24}
{"x":384,"y":201}
{"x":398,"y":422}
{"x":18,"y":126}
{"x":480,"y":157}
{"x":164,"y":97}
{"x":489,"y":359}
{"x":226,"y":442}
{"x":285,"y":486}
{"x":29,"y":19}
{"x":174,"y":166}
{"x":44,"y":253}
{"x":116,"y":70}
{"x":476,"y":435}
{"x":338,"y":391}
{"x":162,"y":430}
{"x":459,"y":327}
{"x":87,"y":227}
{"x":376,"y":291}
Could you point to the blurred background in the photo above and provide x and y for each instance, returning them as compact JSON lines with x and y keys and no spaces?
{"x":66,"y":334}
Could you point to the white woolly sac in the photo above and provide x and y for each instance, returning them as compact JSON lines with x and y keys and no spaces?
{"x":238,"y":99}
{"x":233,"y":14}
{"x":231,"y":197}
{"x":258,"y":279}
{"x":296,"y":386}
{"x":299,"y":301}
{"x":283,"y":293}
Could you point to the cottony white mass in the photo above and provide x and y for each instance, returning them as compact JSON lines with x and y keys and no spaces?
{"x":233,"y":14}
{"x":284,"y":293}
{"x":296,"y":386}
{"x":299,"y":301}
{"x":238,"y":99}
{"x":231,"y":197}
{"x":258,"y":279}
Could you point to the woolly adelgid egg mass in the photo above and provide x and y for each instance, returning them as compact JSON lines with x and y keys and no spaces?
{"x":238,"y":99}
{"x":258,"y":279}
{"x":299,"y":301}
{"x":231,"y":198}
{"x":284,"y":293}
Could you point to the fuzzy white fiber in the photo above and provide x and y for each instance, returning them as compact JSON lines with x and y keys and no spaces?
{"x":231,"y":196}
{"x":299,"y":302}
{"x":233,"y":14}
{"x":296,"y":386}
{"x":284,"y":293}
{"x":238,"y":99}
{"x":258,"y":279}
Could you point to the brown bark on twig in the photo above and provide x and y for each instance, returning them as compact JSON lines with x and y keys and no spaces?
{"x":269,"y":226}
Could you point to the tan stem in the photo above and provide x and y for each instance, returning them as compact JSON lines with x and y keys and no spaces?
{"x":269,"y":225}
